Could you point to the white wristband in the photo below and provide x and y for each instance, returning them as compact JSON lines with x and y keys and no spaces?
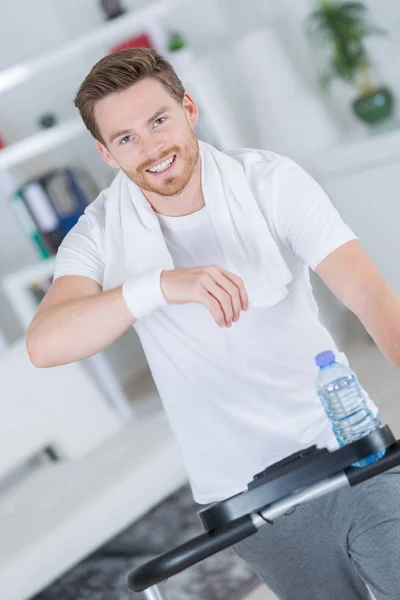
{"x":143,"y":294}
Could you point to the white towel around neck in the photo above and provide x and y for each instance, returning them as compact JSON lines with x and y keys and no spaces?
{"x":133,"y":232}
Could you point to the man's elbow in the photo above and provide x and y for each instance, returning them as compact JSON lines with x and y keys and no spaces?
{"x":36,"y":350}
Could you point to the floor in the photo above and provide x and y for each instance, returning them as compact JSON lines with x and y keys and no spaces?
{"x":102,"y":575}
{"x":378,"y":376}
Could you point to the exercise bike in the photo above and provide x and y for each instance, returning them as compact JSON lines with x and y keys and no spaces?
{"x":300,"y":477}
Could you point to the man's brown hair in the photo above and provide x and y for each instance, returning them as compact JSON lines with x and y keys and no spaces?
{"x":117,"y":72}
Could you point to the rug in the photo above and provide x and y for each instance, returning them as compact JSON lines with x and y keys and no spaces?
{"x":102,"y":576}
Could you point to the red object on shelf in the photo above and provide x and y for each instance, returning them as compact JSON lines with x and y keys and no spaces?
{"x":140,"y":41}
{"x":2,"y":143}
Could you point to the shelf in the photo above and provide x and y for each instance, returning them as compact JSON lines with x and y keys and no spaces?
{"x":129,"y":24}
{"x":41,"y":142}
{"x":16,"y":286}
{"x":352,"y":155}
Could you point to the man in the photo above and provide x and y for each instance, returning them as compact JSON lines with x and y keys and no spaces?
{"x":207,"y":255}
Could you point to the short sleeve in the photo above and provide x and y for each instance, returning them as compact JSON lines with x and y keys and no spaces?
{"x":81,"y":252}
{"x":305,"y":216}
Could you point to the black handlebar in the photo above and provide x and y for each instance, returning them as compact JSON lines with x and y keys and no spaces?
{"x":198,"y":548}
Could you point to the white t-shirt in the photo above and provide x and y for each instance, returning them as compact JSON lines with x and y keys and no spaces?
{"x":242,"y":398}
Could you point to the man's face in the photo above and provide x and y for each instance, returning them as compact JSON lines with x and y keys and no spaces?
{"x":150,"y":136}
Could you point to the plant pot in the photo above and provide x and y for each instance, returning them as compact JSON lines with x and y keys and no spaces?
{"x":375,"y":106}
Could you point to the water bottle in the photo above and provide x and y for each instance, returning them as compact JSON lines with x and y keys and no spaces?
{"x":344,"y":402}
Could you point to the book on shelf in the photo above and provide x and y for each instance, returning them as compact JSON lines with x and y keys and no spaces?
{"x":49,"y":206}
{"x":138,"y":41}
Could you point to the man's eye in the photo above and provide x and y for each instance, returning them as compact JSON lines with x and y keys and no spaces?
{"x":159,"y":121}
{"x":125,"y":139}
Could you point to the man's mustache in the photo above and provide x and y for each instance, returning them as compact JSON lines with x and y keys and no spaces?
{"x":153,"y":161}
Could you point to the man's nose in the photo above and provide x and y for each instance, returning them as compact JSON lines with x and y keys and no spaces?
{"x":152,"y":147}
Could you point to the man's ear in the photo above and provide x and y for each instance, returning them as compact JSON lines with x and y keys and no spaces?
{"x":191,"y":110}
{"x":106,"y":156}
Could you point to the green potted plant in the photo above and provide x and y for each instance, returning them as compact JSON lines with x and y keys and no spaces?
{"x":339,"y":31}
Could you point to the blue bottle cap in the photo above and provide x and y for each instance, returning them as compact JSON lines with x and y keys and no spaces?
{"x":323,"y":359}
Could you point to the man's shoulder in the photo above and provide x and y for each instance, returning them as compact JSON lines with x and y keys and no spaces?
{"x":255,"y":161}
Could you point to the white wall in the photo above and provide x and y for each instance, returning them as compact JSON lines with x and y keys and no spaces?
{"x":210,"y":26}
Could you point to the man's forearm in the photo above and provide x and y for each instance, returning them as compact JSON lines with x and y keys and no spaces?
{"x":381,"y":318}
{"x":354,"y":278}
{"x":78,"y":328}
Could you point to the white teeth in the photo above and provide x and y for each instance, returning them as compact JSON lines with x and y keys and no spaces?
{"x":162,"y":166}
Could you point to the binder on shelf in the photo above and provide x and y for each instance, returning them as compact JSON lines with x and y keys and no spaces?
{"x":50,"y":206}
{"x":43,"y":213}
{"x":64,"y":199}
{"x":10,"y":188}
{"x":81,"y":195}
{"x":56,"y":186}
{"x":28,"y":225}
{"x":89,"y":186}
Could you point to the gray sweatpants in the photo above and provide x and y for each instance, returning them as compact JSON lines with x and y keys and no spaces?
{"x":331,"y":547}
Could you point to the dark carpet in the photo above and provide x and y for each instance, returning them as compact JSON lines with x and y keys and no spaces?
{"x":102,"y":576}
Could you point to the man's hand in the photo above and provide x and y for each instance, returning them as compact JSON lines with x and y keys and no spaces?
{"x":220,"y":291}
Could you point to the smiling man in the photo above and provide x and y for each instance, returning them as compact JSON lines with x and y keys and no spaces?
{"x":207,"y":254}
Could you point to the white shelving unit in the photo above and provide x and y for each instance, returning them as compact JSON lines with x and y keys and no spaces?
{"x":16,"y":284}
{"x":196,"y":76}
{"x":17,"y":289}
{"x":129,"y":24}
{"x":40,"y":143}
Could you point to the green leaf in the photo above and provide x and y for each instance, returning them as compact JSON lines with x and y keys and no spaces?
{"x":354,"y":10}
